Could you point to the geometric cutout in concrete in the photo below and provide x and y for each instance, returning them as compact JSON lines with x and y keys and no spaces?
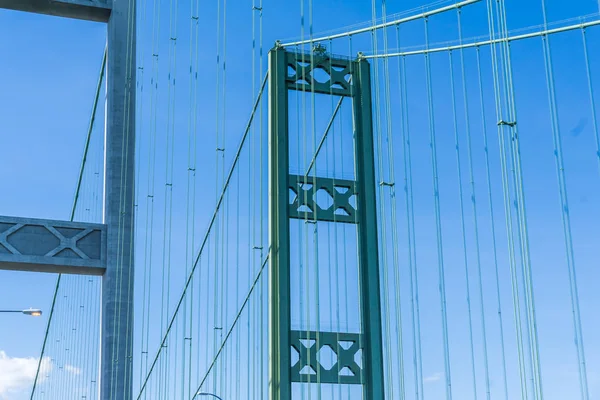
{"x":25,"y":240}
{"x":87,"y":244}
{"x":68,"y":232}
{"x":67,"y":253}
{"x":4,"y":227}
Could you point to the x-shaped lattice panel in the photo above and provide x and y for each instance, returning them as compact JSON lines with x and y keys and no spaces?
{"x":58,"y":243}
{"x":303,"y":70}
{"x":310,"y":368}
{"x":338,"y":194}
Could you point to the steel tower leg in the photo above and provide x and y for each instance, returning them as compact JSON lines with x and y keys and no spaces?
{"x":279,"y":226}
{"x":119,"y":190}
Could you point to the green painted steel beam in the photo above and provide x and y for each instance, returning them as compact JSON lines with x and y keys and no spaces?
{"x":367,"y":234}
{"x":279,"y":226}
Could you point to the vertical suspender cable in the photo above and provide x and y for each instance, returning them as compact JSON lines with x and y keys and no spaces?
{"x":566,"y":218}
{"x":252,"y":212}
{"x":474,"y":205}
{"x":436,"y":195}
{"x":396,"y":263}
{"x":345,"y":253}
{"x":394,"y":233}
{"x":149,"y":229}
{"x":191,"y":196}
{"x":301,"y":284}
{"x":262,"y":197}
{"x":410,"y":224}
{"x":236,"y":355}
{"x":317,"y":289}
{"x":334,"y":280}
{"x":219,"y":147}
{"x":305,"y":227}
{"x":169,"y":167}
{"x":140,"y":95}
{"x":521,"y":210}
{"x":225,"y":219}
{"x":330,"y":262}
{"x":462,"y":222}
{"x":493,"y":228}
{"x":378,"y":175}
{"x":497,"y":62}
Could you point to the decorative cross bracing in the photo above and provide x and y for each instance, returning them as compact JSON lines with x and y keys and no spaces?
{"x":340,"y":193}
{"x":304,"y":70}
{"x":315,"y":349}
{"x":52,"y":246}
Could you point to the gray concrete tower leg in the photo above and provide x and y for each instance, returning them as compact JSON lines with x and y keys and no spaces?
{"x":119,"y":189}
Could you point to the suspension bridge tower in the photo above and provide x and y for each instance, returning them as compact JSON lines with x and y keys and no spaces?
{"x":347,"y":78}
{"x":94,"y":249}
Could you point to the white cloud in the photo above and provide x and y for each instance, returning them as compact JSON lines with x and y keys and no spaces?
{"x":433,"y":378}
{"x":72,"y":369}
{"x":17,"y":374}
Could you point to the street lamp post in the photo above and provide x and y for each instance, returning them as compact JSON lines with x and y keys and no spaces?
{"x":34,"y":312}
{"x":208,"y":394}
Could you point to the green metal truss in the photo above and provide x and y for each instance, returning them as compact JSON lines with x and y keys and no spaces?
{"x":350,"y":78}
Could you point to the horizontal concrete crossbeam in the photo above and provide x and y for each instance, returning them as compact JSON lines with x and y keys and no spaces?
{"x":90,"y":10}
{"x":52,"y":246}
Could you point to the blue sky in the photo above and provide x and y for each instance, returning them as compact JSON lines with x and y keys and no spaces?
{"x":48,"y":74}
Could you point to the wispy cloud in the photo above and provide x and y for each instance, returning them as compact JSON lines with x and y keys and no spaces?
{"x":17,"y":374}
{"x":72,"y":369}
{"x":433,"y":378}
